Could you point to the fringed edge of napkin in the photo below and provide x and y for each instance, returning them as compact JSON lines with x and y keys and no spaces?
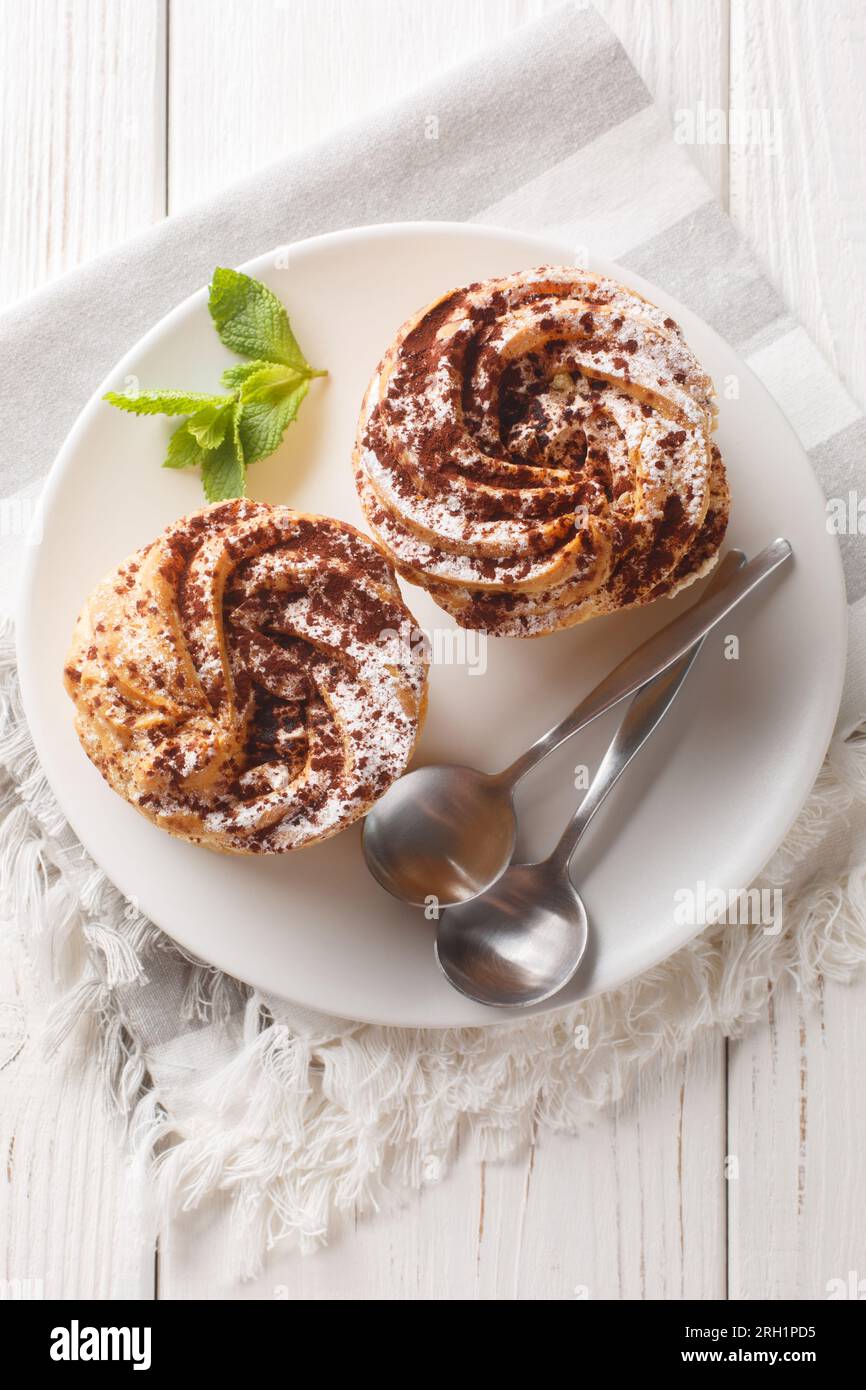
{"x":307,"y":1117}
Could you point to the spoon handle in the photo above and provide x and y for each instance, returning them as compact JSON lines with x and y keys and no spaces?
{"x":655,"y":655}
{"x":646,"y":711}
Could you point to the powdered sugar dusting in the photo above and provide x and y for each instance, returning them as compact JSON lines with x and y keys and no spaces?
{"x":537,"y":449}
{"x":234,"y":683}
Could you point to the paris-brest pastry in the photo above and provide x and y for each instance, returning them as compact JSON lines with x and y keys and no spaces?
{"x":231,"y":679}
{"x":537,"y":450}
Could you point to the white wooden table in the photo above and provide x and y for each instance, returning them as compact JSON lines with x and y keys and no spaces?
{"x":114,"y":112}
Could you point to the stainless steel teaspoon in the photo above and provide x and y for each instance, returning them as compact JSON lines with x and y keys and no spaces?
{"x":447,"y":832}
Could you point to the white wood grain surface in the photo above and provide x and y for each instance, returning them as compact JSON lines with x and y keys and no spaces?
{"x":112,"y":112}
{"x":82,"y":155}
{"x":82,"y":132}
{"x":796,"y":1113}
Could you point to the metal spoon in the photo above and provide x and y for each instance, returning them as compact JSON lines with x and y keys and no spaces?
{"x":447,"y":832}
{"x":522,"y":940}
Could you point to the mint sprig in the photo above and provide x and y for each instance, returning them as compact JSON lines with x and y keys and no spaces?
{"x":222,"y":434}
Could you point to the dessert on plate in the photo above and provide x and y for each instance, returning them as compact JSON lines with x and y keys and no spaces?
{"x":537,"y":450}
{"x":231,"y":680}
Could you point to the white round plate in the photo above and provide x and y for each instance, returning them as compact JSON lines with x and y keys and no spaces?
{"x":706,"y":802}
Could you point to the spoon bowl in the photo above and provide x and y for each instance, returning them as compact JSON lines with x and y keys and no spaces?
{"x":443,"y":833}
{"x":520,"y":943}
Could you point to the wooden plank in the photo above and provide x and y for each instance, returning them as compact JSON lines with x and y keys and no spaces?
{"x":797,"y":1112}
{"x":800,"y":196}
{"x":82,"y":148}
{"x":634,"y":1208}
{"x":73,"y":1222}
{"x":797,"y":1130}
{"x":82,"y":132}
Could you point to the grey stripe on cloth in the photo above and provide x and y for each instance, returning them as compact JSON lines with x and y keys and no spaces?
{"x":704,"y":262}
{"x":850,"y":716}
{"x":770,"y":333}
{"x":840,"y":465}
{"x":490,"y":140}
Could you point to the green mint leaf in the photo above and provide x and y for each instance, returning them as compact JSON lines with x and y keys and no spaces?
{"x":222,"y":472}
{"x":270,"y":400}
{"x":233,"y":377}
{"x":162,"y":402}
{"x":251,"y":320}
{"x":209,"y":425}
{"x":184,"y":450}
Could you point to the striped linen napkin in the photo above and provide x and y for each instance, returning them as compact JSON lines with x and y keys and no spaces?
{"x":301,"y":1116}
